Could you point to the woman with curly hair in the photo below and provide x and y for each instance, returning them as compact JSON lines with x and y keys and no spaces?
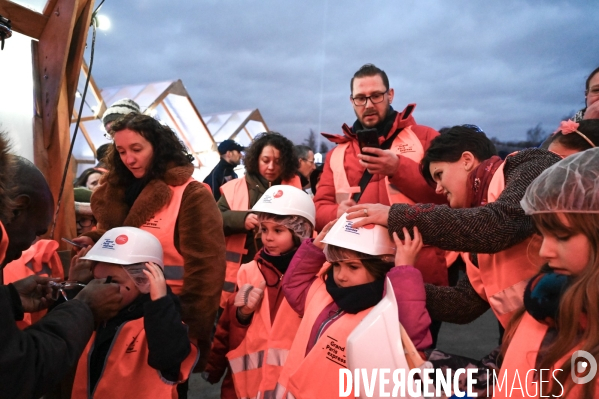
{"x":269,"y":161}
{"x":149,"y":185}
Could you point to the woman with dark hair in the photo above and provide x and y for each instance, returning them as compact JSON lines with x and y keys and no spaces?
{"x":149,"y":185}
{"x":484,"y":218}
{"x":591,"y":96}
{"x":270,"y":160}
{"x":89,"y":178}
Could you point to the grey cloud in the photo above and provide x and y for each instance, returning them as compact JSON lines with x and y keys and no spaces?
{"x":504,"y":65}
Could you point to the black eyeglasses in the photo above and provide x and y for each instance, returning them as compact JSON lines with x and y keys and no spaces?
{"x":375,"y":98}
{"x":473,"y":127}
{"x":85,"y":222}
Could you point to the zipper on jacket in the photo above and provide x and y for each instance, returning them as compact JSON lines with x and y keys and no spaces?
{"x":324,"y":323}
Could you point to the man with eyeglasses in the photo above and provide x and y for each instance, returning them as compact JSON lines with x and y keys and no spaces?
{"x":305,"y":157}
{"x":385,"y":175}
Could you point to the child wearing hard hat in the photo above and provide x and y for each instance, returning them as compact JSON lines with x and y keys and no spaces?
{"x":144,"y":351}
{"x":332,"y":300}
{"x":258,"y":325}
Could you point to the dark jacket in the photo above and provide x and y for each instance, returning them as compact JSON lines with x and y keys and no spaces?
{"x":198,"y":238}
{"x":167,"y":337}
{"x":34,"y":360}
{"x":222,"y":173}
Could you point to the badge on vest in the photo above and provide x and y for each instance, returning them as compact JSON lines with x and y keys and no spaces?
{"x":152,"y":223}
{"x":404,"y":147}
{"x":335,"y":352}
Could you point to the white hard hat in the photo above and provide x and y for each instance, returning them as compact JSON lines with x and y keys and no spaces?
{"x":126,"y":246}
{"x":287,"y":201}
{"x":371,"y":239}
{"x":380,"y":332}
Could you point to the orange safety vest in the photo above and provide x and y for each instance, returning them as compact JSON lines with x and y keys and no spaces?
{"x":501,"y":278}
{"x":258,"y":360}
{"x":39,"y":259}
{"x":316,"y":375}
{"x":237,"y":196}
{"x":3,"y":243}
{"x":162,"y":226}
{"x":521,"y":357}
{"x":126,"y":372}
{"x":406,"y":144}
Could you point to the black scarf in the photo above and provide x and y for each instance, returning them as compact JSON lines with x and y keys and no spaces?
{"x":357,"y":298}
{"x":543,"y":294}
{"x":133,"y":190}
{"x":280,"y":262}
{"x":384,"y":127}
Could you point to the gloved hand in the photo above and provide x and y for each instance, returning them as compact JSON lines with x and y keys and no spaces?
{"x":248,"y":298}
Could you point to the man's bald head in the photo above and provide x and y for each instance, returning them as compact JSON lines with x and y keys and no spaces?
{"x":33,"y":206}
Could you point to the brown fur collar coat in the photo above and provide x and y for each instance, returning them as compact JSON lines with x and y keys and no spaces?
{"x":109,"y":207}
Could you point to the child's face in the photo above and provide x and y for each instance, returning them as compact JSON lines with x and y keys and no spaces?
{"x":129,"y":290}
{"x":276,"y":238}
{"x":351,"y":272}
{"x":565,"y":254}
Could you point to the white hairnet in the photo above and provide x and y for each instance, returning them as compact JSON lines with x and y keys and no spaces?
{"x":299,"y":225}
{"x":571,"y":185}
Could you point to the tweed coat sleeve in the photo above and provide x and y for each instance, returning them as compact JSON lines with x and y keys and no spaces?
{"x":485,"y":229}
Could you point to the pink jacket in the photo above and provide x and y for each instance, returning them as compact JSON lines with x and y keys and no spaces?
{"x":407,"y":284}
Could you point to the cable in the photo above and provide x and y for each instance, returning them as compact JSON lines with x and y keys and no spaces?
{"x":89,"y":74}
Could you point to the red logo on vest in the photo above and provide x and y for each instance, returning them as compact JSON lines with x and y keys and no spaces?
{"x":122,"y":239}
{"x":278,"y":194}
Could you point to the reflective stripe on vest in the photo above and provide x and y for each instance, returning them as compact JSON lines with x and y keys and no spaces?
{"x":126,"y":373}
{"x":521,"y":357}
{"x":237,"y":196}
{"x":39,"y":259}
{"x":258,"y":360}
{"x":162,"y":226}
{"x":317,"y":374}
{"x":502,"y":277}
{"x":405,"y":144}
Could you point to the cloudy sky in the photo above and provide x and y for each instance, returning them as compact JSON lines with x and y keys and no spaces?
{"x":503,"y":65}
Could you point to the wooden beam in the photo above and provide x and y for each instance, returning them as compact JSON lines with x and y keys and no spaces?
{"x":76,"y":50}
{"x":23,"y":20}
{"x":54,"y":48}
{"x":83,"y":118}
{"x":85,"y":134}
{"x":95,"y":91}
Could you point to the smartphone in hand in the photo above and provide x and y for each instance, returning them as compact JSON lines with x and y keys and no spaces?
{"x":368,"y":138}
{"x":73,"y":243}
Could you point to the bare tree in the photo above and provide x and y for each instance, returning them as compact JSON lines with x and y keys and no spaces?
{"x":536,"y":135}
{"x":311,"y":140}
{"x":324,"y":148}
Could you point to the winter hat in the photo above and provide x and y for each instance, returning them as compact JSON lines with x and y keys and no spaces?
{"x":82,"y":198}
{"x":120,"y":108}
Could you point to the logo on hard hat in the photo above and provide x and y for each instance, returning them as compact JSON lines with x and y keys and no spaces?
{"x":266,"y":199}
{"x":108,"y":244}
{"x":122,"y":239}
{"x":349,"y":228}
{"x":278,"y":194}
